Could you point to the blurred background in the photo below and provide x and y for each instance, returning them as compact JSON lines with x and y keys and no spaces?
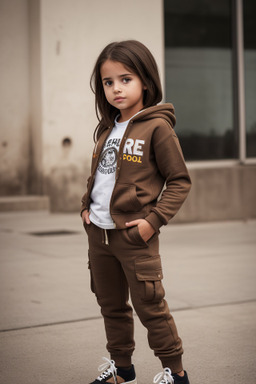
{"x":206,"y":54}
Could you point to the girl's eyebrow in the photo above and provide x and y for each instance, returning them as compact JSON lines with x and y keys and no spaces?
{"x":125,"y":74}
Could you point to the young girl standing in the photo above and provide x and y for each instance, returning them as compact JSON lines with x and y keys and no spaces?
{"x":136,"y":153}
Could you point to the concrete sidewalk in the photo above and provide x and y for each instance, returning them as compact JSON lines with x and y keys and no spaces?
{"x":51,"y":330}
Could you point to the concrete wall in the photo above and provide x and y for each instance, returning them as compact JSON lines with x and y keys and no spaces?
{"x":14,"y":96}
{"x":220,"y":193}
{"x":48,"y":50}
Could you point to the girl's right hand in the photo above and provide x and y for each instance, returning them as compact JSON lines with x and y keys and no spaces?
{"x":85,"y":216}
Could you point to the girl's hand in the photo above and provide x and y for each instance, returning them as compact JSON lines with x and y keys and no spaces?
{"x":85,"y":217}
{"x":145,"y":228}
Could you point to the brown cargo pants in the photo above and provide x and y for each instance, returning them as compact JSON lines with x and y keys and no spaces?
{"x":121,"y":262}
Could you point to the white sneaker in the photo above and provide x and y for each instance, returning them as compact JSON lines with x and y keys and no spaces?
{"x":109,"y":371}
{"x":164,"y":377}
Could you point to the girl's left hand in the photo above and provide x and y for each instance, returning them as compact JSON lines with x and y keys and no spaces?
{"x":145,"y":228}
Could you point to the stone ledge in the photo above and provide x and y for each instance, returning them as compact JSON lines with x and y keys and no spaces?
{"x":24,"y":203}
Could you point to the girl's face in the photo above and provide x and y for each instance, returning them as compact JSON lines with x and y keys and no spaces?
{"x":123,"y":88}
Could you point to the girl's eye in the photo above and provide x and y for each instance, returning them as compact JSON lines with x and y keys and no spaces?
{"x":108,"y":83}
{"x":126,"y":80}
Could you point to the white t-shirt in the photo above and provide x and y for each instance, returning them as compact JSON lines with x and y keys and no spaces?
{"x":105,"y":178}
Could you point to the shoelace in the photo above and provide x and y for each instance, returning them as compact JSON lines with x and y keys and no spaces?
{"x":109,"y":368}
{"x":164,"y":377}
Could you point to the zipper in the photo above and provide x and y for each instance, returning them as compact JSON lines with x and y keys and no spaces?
{"x":120,"y":155}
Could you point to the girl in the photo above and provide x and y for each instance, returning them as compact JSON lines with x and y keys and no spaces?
{"x":136,"y":153}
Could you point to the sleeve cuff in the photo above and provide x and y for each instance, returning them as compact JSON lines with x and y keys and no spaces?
{"x":154,"y":220}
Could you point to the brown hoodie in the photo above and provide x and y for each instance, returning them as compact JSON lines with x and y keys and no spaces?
{"x":153,"y":158}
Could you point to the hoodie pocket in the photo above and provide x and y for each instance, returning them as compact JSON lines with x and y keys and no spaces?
{"x":125,"y":199}
{"x":149,"y":272}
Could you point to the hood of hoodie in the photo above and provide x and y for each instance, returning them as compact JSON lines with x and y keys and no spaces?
{"x":163,"y":111}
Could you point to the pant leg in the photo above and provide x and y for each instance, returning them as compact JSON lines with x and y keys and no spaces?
{"x":141,"y":263}
{"x":110,"y":286}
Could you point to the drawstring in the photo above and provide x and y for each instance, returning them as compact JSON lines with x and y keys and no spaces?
{"x":105,"y":237}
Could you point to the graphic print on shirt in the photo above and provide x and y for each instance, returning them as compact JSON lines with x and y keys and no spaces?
{"x":133,"y":150}
{"x":108,"y":158}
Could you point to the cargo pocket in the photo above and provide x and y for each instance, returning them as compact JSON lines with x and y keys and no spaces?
{"x":149,"y":273}
{"x":91,"y":276}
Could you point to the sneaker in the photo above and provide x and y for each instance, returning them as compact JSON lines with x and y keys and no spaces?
{"x":166,"y":377}
{"x":114,"y":375}
{"x":181,"y":380}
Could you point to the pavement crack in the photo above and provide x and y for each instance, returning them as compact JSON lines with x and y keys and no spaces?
{"x":187,"y":308}
{"x":214,"y":305}
{"x":51,"y":324}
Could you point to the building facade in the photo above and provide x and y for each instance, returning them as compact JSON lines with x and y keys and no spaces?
{"x":206,"y":54}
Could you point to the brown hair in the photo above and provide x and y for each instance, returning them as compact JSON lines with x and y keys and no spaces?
{"x":137,"y":58}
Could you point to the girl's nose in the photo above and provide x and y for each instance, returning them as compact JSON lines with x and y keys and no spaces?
{"x":116,"y":88}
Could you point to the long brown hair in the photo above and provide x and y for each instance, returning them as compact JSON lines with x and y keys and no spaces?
{"x":137,"y":58}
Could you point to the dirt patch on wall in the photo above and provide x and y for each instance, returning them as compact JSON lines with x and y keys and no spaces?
{"x":65,"y":187}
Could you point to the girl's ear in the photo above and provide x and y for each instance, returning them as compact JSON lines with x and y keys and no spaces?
{"x":145,"y":87}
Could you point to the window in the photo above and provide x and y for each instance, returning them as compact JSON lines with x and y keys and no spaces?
{"x":250,"y":75}
{"x":198,"y":73}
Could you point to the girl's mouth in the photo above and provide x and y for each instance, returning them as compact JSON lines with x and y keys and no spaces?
{"x":119,"y":99}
